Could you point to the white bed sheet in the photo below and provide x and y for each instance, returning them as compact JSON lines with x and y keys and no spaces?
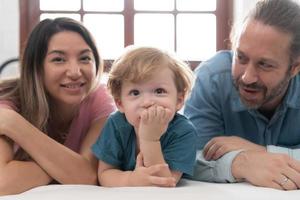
{"x":186,"y":190}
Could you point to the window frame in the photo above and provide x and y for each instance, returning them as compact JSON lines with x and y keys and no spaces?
{"x":30,"y":12}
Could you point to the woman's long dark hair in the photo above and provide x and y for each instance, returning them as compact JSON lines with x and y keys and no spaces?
{"x":28,"y":92}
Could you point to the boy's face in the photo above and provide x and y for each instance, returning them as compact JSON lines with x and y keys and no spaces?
{"x":159,"y":90}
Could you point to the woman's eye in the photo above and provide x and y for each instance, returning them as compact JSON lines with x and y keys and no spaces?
{"x":134,"y":93}
{"x":58,"y":60}
{"x":86,"y":59}
{"x":160,"y":91}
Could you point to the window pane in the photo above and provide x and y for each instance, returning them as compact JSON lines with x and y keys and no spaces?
{"x":196,"y":36}
{"x":53,"y":16}
{"x":157,"y":5}
{"x":108,"y":31}
{"x":60,"y":4}
{"x":103,"y":5}
{"x":154,"y":30}
{"x":196,"y":5}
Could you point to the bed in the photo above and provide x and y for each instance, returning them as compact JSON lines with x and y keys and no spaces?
{"x":186,"y":190}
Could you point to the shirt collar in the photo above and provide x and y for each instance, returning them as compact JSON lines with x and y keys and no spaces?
{"x":292,"y":98}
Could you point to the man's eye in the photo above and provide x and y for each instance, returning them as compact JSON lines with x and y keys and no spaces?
{"x":265,"y":65}
{"x":134,"y":93}
{"x":242,"y":59}
{"x":160,"y":91}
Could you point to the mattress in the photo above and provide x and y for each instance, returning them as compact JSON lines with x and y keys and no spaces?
{"x":186,"y":190}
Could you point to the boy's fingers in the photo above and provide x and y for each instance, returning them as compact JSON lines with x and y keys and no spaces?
{"x":139,"y":161}
{"x":163,"y":181}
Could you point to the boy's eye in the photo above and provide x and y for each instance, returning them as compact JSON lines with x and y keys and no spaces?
{"x":134,"y":92}
{"x":160,"y":91}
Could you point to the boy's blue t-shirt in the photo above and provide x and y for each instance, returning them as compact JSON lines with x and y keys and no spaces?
{"x":117,"y":144}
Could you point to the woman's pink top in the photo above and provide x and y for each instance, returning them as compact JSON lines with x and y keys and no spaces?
{"x":97,"y":105}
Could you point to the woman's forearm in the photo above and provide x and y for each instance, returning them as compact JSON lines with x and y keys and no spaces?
{"x":61,"y":163}
{"x":19,"y":176}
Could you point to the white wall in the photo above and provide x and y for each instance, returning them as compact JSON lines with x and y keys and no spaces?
{"x":9,"y":33}
{"x":9,"y":29}
{"x":241,"y":8}
{"x":9,"y":24}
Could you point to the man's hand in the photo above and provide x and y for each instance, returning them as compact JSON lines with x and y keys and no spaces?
{"x":147,"y":176}
{"x":219,"y":146}
{"x":265,"y":169}
{"x":154,"y":122}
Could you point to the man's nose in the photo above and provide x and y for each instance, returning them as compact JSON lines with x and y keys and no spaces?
{"x":250,"y":74}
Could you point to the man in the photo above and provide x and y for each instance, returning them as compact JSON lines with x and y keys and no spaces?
{"x":246,"y":103}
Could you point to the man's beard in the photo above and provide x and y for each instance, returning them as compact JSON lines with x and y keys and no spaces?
{"x":276,"y":91}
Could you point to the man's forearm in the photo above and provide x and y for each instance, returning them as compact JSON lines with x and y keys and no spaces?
{"x":216,"y":170}
{"x":293,"y":153}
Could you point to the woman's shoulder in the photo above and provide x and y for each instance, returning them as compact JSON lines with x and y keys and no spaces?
{"x":100,"y":97}
{"x":97,"y":105}
{"x":8,"y":104}
{"x":9,"y":94}
{"x":100,"y":91}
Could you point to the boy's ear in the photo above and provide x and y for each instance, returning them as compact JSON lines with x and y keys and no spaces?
{"x":180,"y":101}
{"x":119,"y":105}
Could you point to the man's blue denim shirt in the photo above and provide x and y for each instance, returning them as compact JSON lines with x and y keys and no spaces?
{"x":215,"y":109}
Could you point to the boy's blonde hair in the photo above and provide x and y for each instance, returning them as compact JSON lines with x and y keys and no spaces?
{"x":140,"y":63}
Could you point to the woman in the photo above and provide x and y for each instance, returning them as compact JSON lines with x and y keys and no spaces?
{"x":51,"y":115}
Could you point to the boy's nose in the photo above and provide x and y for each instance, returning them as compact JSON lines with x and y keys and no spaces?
{"x":147,"y":102}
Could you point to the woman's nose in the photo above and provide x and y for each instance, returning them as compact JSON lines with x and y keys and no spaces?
{"x":74,"y":70}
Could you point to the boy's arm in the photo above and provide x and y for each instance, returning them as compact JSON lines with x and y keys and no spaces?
{"x":154,"y":122}
{"x":152,"y":155}
{"x":110,"y":176}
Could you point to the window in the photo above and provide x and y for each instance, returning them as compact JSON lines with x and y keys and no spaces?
{"x":194,"y":29}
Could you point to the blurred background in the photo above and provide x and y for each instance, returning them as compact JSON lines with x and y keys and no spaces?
{"x":194,"y":29}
